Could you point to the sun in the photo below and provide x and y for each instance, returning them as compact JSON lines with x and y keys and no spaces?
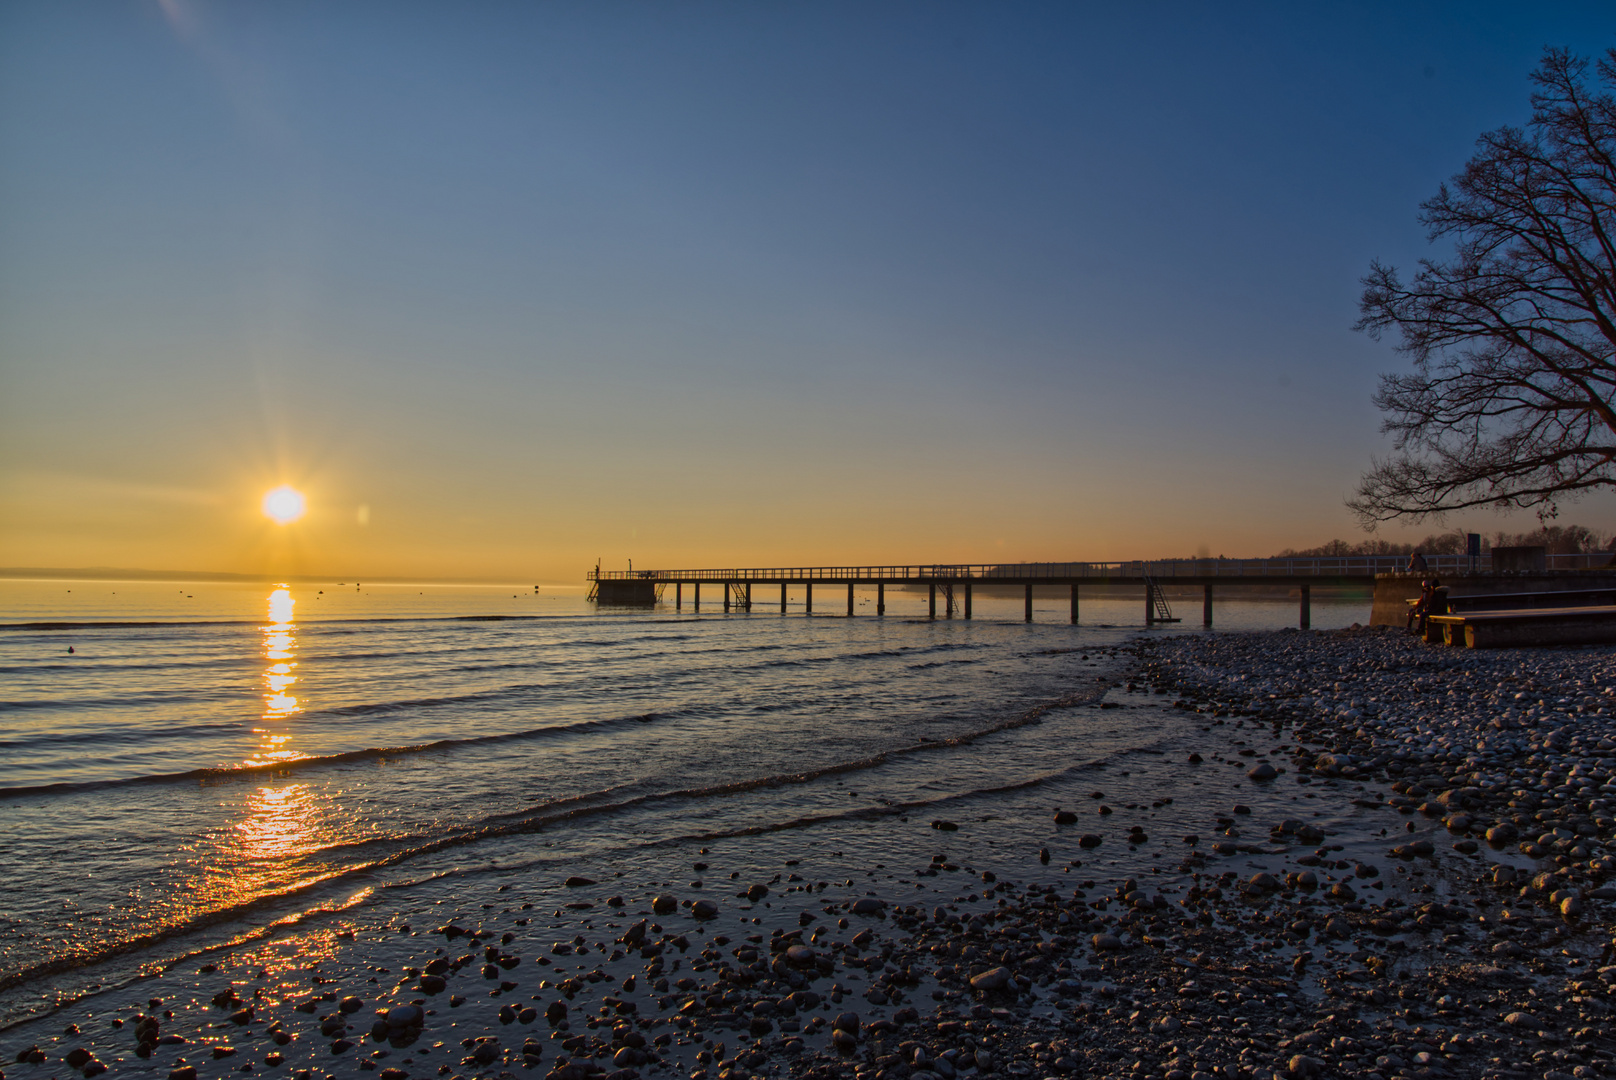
{"x":284,"y":504}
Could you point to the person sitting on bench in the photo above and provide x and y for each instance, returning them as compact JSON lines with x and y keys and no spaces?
{"x":1433,"y":601}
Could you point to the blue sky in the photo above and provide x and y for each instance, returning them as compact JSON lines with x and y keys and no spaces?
{"x":714,"y":283}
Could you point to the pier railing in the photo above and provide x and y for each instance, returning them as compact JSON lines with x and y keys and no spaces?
{"x":1348,"y":566}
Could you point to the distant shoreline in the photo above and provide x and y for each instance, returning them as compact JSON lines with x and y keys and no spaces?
{"x":102,"y":573}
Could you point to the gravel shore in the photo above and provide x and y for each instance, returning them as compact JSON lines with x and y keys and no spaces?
{"x":1433,"y":907}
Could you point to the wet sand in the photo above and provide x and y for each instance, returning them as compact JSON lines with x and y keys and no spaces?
{"x":1184,"y":919}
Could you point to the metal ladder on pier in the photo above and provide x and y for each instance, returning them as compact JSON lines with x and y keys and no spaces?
{"x":1158,"y":602}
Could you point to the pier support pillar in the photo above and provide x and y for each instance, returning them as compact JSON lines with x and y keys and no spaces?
{"x":881,"y":598}
{"x":1074,"y":603}
{"x":808,"y":600}
{"x":782,"y":598}
{"x":748,"y":596}
{"x":849,"y":599}
{"x":1307,"y":607}
{"x":1029,"y":603}
{"x":1150,"y":604}
{"x":932,"y":589}
{"x":678,"y":596}
{"x":967,"y":599}
{"x":726,"y":596}
{"x":1206,"y":606}
{"x":695,"y":604}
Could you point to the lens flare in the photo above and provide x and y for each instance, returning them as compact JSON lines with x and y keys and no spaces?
{"x":284,"y":504}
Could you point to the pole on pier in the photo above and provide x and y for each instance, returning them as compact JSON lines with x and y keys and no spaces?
{"x":1029,"y":602}
{"x":748,"y":596}
{"x":932,"y":588}
{"x":967,"y":599}
{"x":1150,"y":603}
{"x":782,"y":598}
{"x":808,"y":600}
{"x":849,"y":599}
{"x":678,"y":595}
{"x":1074,"y":603}
{"x":1206,"y":606}
{"x":696,"y":603}
{"x":881,"y":598}
{"x":1307,"y":607}
{"x":726,"y":595}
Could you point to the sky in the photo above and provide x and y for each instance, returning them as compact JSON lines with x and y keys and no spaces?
{"x":507,"y":288}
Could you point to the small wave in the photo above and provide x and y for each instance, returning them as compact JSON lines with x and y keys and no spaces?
{"x":104,"y":738}
{"x":377,"y":753}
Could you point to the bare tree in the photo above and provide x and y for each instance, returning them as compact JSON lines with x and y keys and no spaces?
{"x":1513,"y":338}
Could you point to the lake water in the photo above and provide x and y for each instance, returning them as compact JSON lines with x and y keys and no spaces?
{"x":252,"y":751}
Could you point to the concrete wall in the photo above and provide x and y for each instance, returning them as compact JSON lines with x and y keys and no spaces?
{"x":629,"y":593}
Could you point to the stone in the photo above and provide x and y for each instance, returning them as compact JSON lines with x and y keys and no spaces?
{"x":576,"y":882}
{"x":1065,"y":817}
{"x":1088,"y":840}
{"x":757,"y":892}
{"x":1106,"y":942}
{"x":1503,"y":833}
{"x":868,"y":905}
{"x":1262,"y":771}
{"x":405,"y":1016}
{"x":704,"y":909}
{"x":665,"y":904}
{"x":993,"y":979}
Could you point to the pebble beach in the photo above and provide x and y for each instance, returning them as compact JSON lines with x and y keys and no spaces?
{"x":1361,"y":856}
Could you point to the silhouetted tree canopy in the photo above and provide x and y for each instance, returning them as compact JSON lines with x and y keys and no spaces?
{"x":1554,"y":539}
{"x":1513,"y":338}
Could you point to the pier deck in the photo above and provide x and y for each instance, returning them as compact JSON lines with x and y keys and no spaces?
{"x":956,"y":581}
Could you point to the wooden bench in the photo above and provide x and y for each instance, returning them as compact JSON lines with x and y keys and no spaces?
{"x":1551,"y":598}
{"x":1587,"y":625}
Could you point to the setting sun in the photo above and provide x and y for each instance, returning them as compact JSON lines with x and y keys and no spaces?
{"x":284,"y":504}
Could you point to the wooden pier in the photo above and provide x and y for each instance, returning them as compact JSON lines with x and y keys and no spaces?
{"x":954,"y":584}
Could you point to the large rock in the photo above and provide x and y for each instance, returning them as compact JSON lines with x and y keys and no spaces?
{"x":405,"y":1016}
{"x":992,"y":979}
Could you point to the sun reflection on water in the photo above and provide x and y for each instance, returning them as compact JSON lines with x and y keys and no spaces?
{"x":281,"y":822}
{"x":280,"y":704}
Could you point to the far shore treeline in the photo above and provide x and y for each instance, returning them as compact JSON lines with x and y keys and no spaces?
{"x":1554,"y":539}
